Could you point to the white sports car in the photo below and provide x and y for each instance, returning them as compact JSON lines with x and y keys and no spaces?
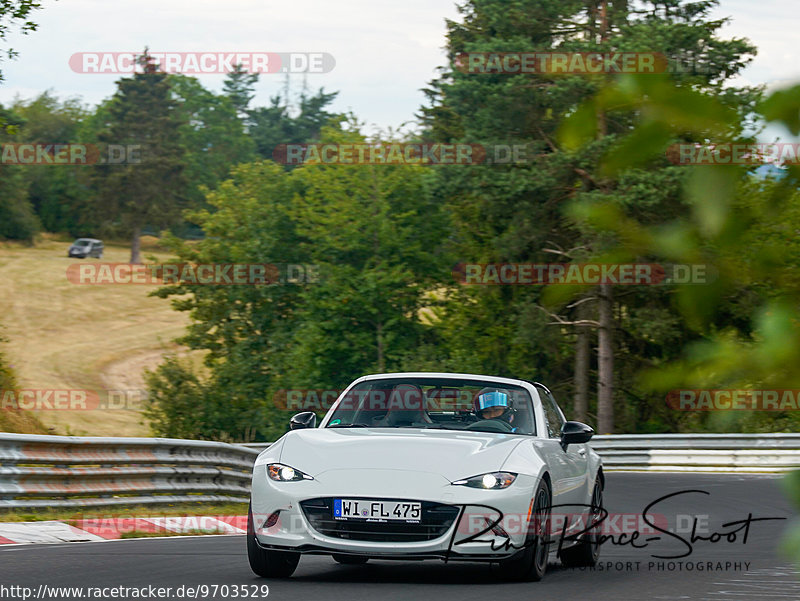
{"x":430,"y":466}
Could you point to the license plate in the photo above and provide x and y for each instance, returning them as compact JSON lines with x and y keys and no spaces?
{"x":376,"y":510}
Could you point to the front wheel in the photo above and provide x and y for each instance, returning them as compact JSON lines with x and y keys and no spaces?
{"x":586,"y":553}
{"x":530,"y":564}
{"x":265,"y":563}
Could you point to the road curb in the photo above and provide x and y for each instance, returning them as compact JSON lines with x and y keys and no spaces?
{"x":112,"y":528}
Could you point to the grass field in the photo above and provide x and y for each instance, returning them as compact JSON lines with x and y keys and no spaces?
{"x":64,"y":336}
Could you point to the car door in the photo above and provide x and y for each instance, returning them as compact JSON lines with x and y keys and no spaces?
{"x":572,"y":487}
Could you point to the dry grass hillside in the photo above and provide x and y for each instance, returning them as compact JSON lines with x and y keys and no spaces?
{"x":64,"y":336}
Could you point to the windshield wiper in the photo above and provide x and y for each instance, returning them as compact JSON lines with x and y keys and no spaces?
{"x":348,"y":426}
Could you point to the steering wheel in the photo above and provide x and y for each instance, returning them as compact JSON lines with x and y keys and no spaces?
{"x":491,"y":425}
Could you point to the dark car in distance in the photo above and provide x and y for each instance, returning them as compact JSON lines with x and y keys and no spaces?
{"x":86,"y":247}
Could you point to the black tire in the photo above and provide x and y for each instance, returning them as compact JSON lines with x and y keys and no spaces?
{"x":530,"y":564}
{"x":351,"y":560}
{"x":586,"y":553}
{"x":264,"y":563}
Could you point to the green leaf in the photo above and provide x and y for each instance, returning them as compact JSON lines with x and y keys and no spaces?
{"x":579,"y":128}
{"x":639,"y":148}
{"x":784,"y":106}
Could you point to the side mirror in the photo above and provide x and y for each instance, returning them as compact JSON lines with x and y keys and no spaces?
{"x":575,"y":432}
{"x":306,"y":419}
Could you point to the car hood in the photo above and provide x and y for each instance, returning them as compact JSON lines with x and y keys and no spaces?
{"x":454,"y":455}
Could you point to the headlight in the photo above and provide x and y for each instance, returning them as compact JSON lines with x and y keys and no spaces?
{"x":284,"y":473}
{"x":493,"y":480}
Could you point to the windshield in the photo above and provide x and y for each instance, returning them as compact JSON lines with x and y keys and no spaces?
{"x":81,"y":243}
{"x":435,"y":403}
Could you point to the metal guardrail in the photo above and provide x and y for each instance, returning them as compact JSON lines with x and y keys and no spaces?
{"x":767,"y":453}
{"x":258,"y":446}
{"x":71,"y":471}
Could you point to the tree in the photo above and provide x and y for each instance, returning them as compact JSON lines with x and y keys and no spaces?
{"x":743,"y":331}
{"x":18,"y":220}
{"x":371,"y":232}
{"x":509,"y":213}
{"x":243,"y":331}
{"x":211,"y":134}
{"x":149,"y":188}
{"x":13,"y":12}
{"x":273,"y":125}
{"x":58,"y":195}
{"x":678,"y":30}
{"x":238,"y":88}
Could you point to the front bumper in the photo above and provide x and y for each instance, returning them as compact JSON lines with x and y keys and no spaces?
{"x":468,"y":535}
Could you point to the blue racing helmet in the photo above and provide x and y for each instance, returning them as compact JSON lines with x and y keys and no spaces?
{"x":491,"y":398}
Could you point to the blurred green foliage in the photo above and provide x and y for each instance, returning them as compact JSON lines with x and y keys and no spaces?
{"x":745,"y":227}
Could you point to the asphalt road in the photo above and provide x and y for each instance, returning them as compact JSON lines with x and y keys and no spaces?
{"x":731,"y":570}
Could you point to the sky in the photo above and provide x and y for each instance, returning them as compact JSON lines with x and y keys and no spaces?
{"x":385,"y":52}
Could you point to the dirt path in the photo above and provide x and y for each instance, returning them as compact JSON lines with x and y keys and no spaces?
{"x":125,"y":380}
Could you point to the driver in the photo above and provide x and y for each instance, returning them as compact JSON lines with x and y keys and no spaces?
{"x":493,"y":403}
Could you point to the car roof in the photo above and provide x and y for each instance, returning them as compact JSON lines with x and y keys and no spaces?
{"x":89,"y":239}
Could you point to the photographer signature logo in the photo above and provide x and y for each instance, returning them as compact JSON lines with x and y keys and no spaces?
{"x":730,"y":532}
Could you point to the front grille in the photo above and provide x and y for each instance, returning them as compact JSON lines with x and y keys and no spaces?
{"x":436,"y":520}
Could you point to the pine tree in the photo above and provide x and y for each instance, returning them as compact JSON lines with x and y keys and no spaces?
{"x":238,"y":87}
{"x":279,"y":123}
{"x":149,"y":187}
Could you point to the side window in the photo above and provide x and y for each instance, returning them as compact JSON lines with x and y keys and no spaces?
{"x":524,"y":419}
{"x":552,"y":414}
